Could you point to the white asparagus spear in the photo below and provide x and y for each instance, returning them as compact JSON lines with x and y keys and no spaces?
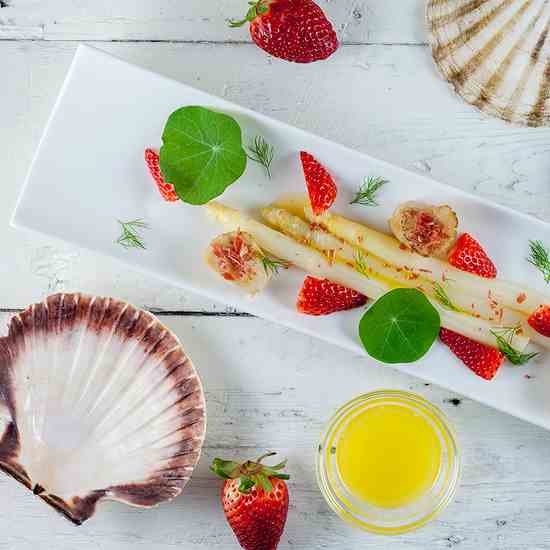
{"x":315,"y":263}
{"x":313,"y":235}
{"x":297,"y":254}
{"x":504,"y":293}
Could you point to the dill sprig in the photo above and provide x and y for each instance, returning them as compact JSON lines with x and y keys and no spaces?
{"x":262,"y":152}
{"x":505,"y":338}
{"x":540,"y":258}
{"x":366,"y":195}
{"x":131,"y":237}
{"x":443,"y":298}
{"x":361,"y":265}
{"x":273,"y":265}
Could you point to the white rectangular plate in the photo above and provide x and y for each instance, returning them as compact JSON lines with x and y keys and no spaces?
{"x":89,"y":172}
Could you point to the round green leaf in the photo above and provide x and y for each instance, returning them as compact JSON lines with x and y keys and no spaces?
{"x":202,"y":153}
{"x":400,"y":327}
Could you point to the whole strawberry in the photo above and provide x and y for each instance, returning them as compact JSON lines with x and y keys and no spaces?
{"x":255,"y":501}
{"x":295,"y":30}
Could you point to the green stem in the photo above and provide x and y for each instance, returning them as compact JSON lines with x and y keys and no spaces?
{"x":257,"y":8}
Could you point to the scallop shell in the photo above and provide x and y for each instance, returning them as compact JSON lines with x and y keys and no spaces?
{"x":495,"y":54}
{"x":98,"y":401}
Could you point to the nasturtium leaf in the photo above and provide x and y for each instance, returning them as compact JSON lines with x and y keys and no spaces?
{"x":202,"y":153}
{"x":400,"y":327}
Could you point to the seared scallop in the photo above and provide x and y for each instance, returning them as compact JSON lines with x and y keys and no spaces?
{"x":425,"y":229}
{"x":239,"y":260}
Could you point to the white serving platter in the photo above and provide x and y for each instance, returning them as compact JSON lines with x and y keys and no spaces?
{"x":89,"y":172}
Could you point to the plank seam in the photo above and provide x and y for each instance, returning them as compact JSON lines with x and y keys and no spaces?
{"x":193,"y":42}
{"x":169,"y":313}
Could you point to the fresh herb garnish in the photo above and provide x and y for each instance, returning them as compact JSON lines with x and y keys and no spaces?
{"x":131,"y":237}
{"x":540,"y":258}
{"x":400,"y":327}
{"x":202,"y":153}
{"x":366,"y":195}
{"x":272,"y":265}
{"x":262,"y":152}
{"x":443,"y":298}
{"x":505,"y":338}
{"x":360,"y":264}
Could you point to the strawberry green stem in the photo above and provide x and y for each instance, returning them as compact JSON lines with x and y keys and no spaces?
{"x":250,"y":473}
{"x":257,"y":8}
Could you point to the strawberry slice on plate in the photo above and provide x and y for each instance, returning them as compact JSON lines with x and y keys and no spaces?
{"x":320,"y":185}
{"x":294,"y":30}
{"x":482,"y":360}
{"x":540,"y":320}
{"x":468,"y":255}
{"x":167,"y":190}
{"x":322,"y":297}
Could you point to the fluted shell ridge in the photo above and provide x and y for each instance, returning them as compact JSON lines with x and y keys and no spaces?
{"x":495,"y":54}
{"x":98,"y":400}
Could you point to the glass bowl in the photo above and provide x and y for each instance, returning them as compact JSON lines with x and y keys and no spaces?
{"x":388,"y":521}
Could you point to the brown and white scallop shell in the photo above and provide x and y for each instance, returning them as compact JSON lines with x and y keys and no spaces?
{"x":495,"y":54}
{"x":98,"y":400}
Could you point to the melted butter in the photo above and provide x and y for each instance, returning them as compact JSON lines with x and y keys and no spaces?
{"x":389,"y":456}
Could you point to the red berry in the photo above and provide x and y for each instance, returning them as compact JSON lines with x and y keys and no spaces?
{"x":540,"y":320}
{"x":167,"y":190}
{"x":320,"y":185}
{"x":482,"y":360}
{"x":321,"y":297}
{"x":257,"y":518}
{"x":468,"y":255}
{"x":255,"y":501}
{"x":295,"y":30}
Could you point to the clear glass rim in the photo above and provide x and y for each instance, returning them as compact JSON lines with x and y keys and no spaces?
{"x":418,"y":403}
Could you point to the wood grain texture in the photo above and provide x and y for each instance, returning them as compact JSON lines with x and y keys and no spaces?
{"x":378,"y":94}
{"x":357,"y":21}
{"x":503,"y":502}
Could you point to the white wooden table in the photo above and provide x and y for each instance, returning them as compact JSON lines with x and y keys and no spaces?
{"x":268,"y":387}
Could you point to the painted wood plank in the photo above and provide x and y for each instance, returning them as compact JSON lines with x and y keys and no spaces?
{"x":384,"y":100}
{"x":358,"y":21}
{"x":503,"y":501}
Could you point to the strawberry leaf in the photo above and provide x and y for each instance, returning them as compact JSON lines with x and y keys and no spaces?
{"x":202,"y":153}
{"x":280,"y":476}
{"x":400,"y":327}
{"x":263,"y":481}
{"x":246,"y":484}
{"x":279,"y":466}
{"x":227,"y":469}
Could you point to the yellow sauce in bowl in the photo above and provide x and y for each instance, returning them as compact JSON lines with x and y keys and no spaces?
{"x":388,"y":455}
{"x":388,"y":462}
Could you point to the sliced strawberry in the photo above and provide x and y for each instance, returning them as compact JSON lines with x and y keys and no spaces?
{"x":320,"y":185}
{"x":167,"y":190}
{"x":322,"y":297}
{"x":482,"y":360}
{"x":468,"y":255}
{"x":540,"y":320}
